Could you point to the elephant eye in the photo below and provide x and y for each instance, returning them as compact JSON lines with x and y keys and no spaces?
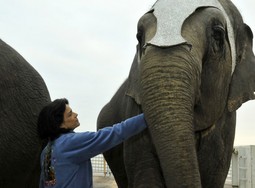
{"x":218,"y":36}
{"x":139,"y":36}
{"x":218,"y":33}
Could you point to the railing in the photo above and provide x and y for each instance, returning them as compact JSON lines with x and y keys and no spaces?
{"x":229,"y":177}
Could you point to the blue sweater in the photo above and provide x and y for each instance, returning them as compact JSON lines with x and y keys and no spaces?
{"x":71,"y":152}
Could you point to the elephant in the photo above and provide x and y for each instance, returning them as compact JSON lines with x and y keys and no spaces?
{"x":193,"y":68}
{"x":23,"y":94}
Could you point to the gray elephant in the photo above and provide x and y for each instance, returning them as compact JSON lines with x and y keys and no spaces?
{"x":193,"y":69}
{"x":23,"y":94}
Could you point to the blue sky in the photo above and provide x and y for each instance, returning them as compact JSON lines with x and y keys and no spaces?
{"x":84,"y":50}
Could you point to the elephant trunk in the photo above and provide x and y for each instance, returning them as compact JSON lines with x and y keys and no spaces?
{"x":168,"y":91}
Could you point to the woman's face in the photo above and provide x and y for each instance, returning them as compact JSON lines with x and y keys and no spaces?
{"x":70,"y":119}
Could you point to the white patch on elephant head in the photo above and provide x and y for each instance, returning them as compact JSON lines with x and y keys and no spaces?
{"x":171,"y":15}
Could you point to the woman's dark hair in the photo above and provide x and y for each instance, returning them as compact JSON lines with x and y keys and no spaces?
{"x":50,"y":119}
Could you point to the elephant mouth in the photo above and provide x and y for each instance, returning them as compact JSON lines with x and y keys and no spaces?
{"x":205,"y":132}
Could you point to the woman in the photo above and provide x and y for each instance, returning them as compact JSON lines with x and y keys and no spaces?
{"x":65,"y":161}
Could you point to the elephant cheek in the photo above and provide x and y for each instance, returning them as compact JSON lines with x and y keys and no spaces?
{"x":168,"y":100}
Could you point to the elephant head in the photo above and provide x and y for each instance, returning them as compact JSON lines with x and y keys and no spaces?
{"x":195,"y":67}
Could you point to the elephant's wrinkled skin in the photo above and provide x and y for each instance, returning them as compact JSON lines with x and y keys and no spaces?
{"x":189,"y":97}
{"x":23,"y":94}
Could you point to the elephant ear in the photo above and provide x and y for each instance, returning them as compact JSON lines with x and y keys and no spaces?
{"x":243,"y":79}
{"x":133,"y":85}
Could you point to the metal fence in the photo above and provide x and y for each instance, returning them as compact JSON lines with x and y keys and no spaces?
{"x":243,"y":167}
{"x":241,"y":173}
{"x":100,"y":166}
{"x":229,"y":177}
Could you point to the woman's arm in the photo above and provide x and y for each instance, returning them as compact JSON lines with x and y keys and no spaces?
{"x":83,"y":146}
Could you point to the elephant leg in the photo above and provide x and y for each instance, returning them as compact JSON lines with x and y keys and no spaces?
{"x":142,"y":164}
{"x":215,"y":151}
{"x":116,"y":165}
{"x":114,"y":156}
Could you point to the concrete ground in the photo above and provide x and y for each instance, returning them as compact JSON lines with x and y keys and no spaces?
{"x":104,"y":182}
{"x":109,"y":182}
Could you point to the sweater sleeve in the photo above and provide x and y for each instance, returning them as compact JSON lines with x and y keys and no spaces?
{"x":82,"y":146}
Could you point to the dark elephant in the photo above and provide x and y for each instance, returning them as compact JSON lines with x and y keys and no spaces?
{"x":23,"y":94}
{"x":193,"y":69}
